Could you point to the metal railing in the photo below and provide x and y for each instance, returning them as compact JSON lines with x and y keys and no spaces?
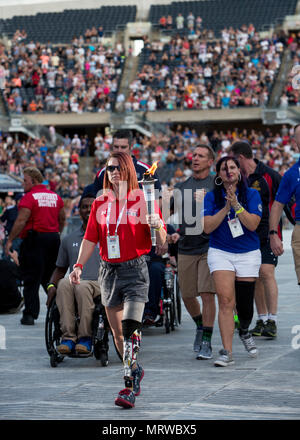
{"x":134,"y":121}
{"x":22,"y":124}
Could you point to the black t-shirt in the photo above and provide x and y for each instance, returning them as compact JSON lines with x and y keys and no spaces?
{"x":187,"y":209}
{"x":259,"y":183}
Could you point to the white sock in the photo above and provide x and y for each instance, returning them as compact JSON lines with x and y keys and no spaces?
{"x":264,"y":318}
{"x":272,"y":317}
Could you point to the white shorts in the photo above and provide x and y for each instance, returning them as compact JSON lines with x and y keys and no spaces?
{"x":245,"y":264}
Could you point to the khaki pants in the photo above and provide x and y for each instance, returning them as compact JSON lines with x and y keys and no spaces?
{"x":84,"y":294}
{"x":296,"y":250}
{"x":194,"y":276}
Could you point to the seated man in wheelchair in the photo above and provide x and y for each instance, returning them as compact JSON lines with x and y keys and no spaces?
{"x":156,"y":266}
{"x":69,"y":296}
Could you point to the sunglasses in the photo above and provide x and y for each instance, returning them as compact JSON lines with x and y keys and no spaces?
{"x":112,"y":168}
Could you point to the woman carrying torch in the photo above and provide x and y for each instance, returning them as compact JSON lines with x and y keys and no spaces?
{"x":120,"y":223}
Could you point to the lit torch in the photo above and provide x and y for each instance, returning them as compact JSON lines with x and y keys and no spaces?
{"x":149,"y":194}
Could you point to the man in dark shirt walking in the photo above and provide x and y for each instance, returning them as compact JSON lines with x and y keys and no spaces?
{"x":193,"y":272}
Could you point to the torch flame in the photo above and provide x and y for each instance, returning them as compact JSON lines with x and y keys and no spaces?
{"x":152,"y":169}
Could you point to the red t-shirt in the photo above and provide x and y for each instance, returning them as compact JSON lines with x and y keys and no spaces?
{"x":44,"y":206}
{"x":133,"y":231}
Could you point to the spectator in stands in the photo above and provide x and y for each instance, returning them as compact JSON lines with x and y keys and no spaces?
{"x":179,"y":21}
{"x":169,"y":22}
{"x":163,"y":22}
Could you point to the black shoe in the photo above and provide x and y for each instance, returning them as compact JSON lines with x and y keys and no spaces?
{"x":258,"y":329}
{"x":270,"y":329}
{"x":27,"y":320}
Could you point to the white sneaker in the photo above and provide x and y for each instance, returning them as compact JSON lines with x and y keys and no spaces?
{"x":225,"y":359}
{"x":249,"y":344}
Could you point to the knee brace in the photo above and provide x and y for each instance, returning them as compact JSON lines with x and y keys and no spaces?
{"x":244,"y":296}
{"x":132,"y":341}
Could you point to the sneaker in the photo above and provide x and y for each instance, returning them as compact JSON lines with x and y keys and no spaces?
{"x":205,"y":351}
{"x":198,"y":340}
{"x":137,"y":375}
{"x":270,"y":329}
{"x":148,"y":321}
{"x":126,"y":398}
{"x":225,"y":359}
{"x":66,"y":346}
{"x":249,"y":344}
{"x":84,"y":345}
{"x":258,"y":329}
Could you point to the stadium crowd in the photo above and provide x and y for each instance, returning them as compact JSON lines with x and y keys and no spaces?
{"x":174,"y":150}
{"x":80,"y":77}
{"x":237,"y":70}
{"x":59,"y":165}
{"x":290,"y":94}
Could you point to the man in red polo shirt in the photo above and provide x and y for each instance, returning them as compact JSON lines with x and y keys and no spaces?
{"x":41,"y":217}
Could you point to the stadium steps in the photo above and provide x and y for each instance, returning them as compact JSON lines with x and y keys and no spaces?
{"x":129,"y":74}
{"x":86,"y":175}
{"x":3,"y":106}
{"x":284,"y":70}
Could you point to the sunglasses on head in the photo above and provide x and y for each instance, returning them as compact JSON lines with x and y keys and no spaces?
{"x":112,"y":168}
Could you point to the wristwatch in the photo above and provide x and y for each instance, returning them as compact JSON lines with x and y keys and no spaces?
{"x":272,"y":232}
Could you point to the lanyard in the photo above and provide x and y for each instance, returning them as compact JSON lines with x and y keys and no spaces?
{"x":228,"y":215}
{"x":119,"y":218}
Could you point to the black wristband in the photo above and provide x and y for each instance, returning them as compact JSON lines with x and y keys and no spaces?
{"x":272,"y":232}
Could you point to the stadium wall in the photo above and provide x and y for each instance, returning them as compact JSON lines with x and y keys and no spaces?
{"x":195,"y":116}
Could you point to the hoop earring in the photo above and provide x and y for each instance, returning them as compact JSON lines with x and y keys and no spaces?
{"x":218,"y":182}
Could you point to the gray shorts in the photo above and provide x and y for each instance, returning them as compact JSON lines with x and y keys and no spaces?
{"x":122,"y":282}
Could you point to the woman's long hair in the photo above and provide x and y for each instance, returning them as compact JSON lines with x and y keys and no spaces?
{"x":241,"y":185}
{"x":127,"y":172}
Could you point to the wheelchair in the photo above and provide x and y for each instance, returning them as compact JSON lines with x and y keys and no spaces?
{"x":100,"y":332}
{"x":170,"y":300}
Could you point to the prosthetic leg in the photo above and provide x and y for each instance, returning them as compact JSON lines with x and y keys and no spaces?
{"x":244,"y":293}
{"x":133,"y":373}
{"x":131,"y":348}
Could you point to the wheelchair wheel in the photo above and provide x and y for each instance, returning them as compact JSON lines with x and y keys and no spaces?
{"x":172,"y":313}
{"x":101,"y":354}
{"x":53,"y":360}
{"x":177,"y":299}
{"x":52,"y":332}
{"x":101,"y":348}
{"x":104,"y":359}
{"x":167,"y":321}
{"x":169,"y":317}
